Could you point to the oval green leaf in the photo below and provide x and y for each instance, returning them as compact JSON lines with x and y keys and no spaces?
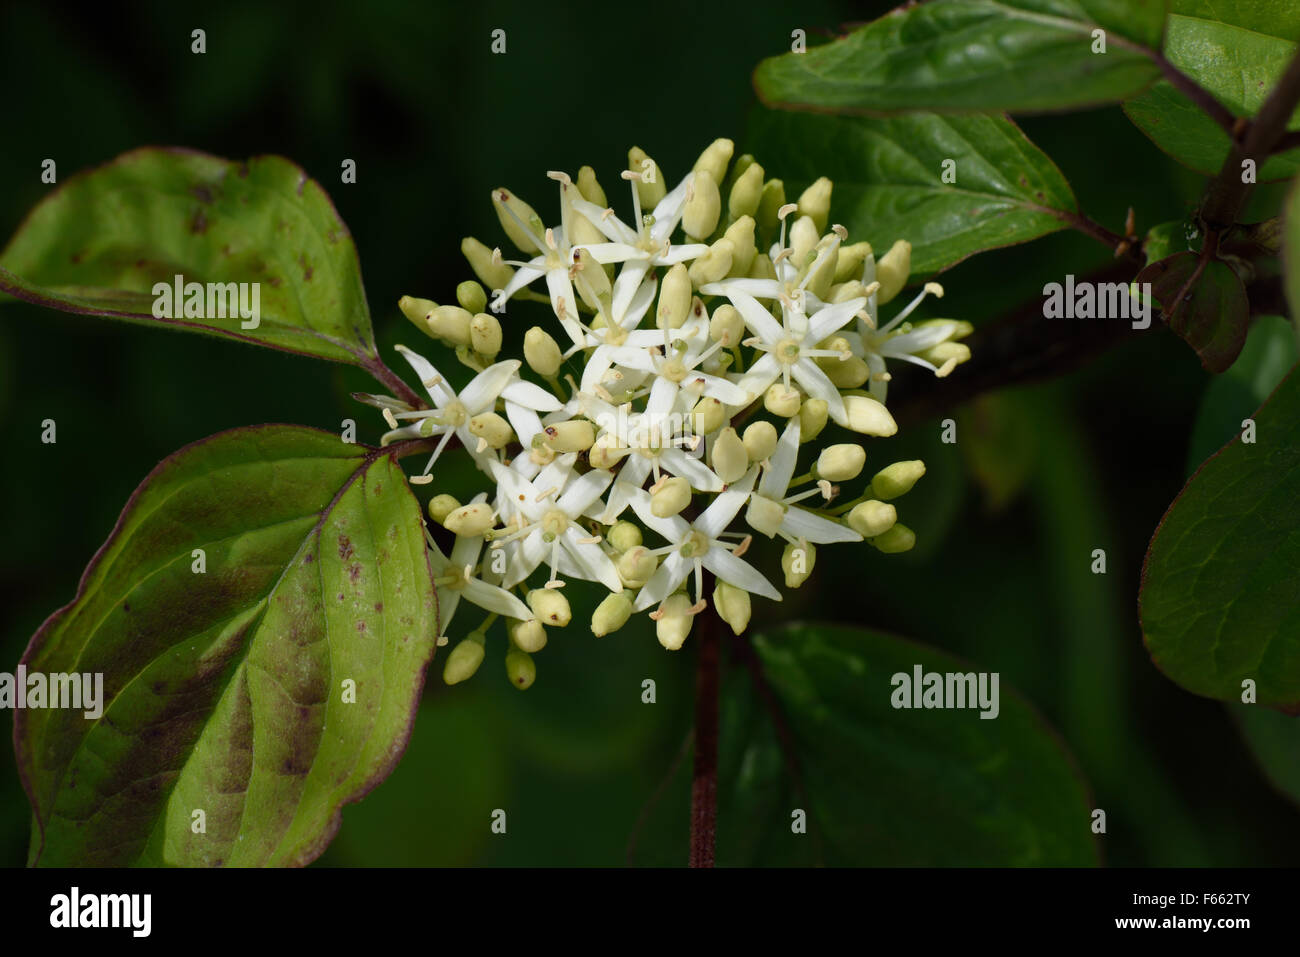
{"x":904,"y":786}
{"x":889,"y":179}
{"x":967,"y":55}
{"x":1220,"y":598}
{"x":100,"y":243}
{"x":1204,"y":303}
{"x":261,"y":616}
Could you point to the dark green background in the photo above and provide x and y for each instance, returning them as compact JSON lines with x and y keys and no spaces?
{"x":434,"y":121}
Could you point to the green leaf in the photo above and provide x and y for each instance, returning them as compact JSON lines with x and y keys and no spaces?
{"x":962,"y":55}
{"x":99,"y":243}
{"x":888,"y":176}
{"x":891,"y":786}
{"x":1220,"y":599}
{"x":1274,"y":739}
{"x":1291,"y":251}
{"x":1165,"y":239}
{"x":224,"y":687}
{"x":1239,"y":65}
{"x":1204,"y":303}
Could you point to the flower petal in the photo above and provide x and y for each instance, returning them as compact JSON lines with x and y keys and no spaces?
{"x":485,"y":388}
{"x":801,"y":523}
{"x":494,"y":599}
{"x":595,"y":563}
{"x":668,"y":577}
{"x":780,"y":467}
{"x":738,"y":572}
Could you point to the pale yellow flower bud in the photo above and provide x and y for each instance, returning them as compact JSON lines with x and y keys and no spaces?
{"x":851,"y":259}
{"x":760,"y":441}
{"x":612,"y":613}
{"x":746,"y":192}
{"x":471,"y":296}
{"x":848,"y":372}
{"x":853,"y":289}
{"x":492,"y":429}
{"x":485,"y":334}
{"x":463,"y":660}
{"x":815,"y":201}
{"x":741,"y":234}
{"x":541,"y":352}
{"x":769,"y":201}
{"x":473,"y":519}
{"x":440,"y":506}
{"x":897,"y":479}
{"x":703,"y":207}
{"x":592,"y":281}
{"x":899,"y":538}
{"x":797,"y":562}
{"x":730,"y":460}
{"x":528,"y":236}
{"x":417,"y":310}
{"x":714,"y":264}
{"x":575,"y":435}
{"x":675,"y":623}
{"x":804,"y":235}
{"x":520,"y":669}
{"x":780,"y":401}
{"x":671,"y":497}
{"x":674,"y":298}
{"x":650,"y":187}
{"x":550,"y":606}
{"x":636,"y":565}
{"x":715,"y":158}
{"x":733,"y":605}
{"x":494,"y":275}
{"x":450,"y":323}
{"x":812,"y":419}
{"x":892,"y":270}
{"x":841,"y":463}
{"x":872,"y":518}
{"x":762,"y":268}
{"x":868,"y":416}
{"x":726,"y":325}
{"x":708,"y":416}
{"x":527,"y":635}
{"x":589,"y":187}
{"x":624,"y":535}
{"x":606,"y":451}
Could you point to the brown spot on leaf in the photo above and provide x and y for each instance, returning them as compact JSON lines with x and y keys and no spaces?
{"x":199,"y":225}
{"x":354,"y":571}
{"x":379,"y":606}
{"x":275,"y":281}
{"x":202,"y":193}
{"x":345,"y":547}
{"x":361,"y":626}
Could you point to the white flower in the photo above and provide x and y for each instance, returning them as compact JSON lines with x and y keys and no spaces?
{"x":676,"y":356}
{"x":456,"y":579}
{"x":697,"y":546}
{"x":787,"y":285}
{"x":543,"y":523}
{"x":772,"y":512}
{"x":877,"y":345}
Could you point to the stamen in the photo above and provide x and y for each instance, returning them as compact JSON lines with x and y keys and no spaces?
{"x":390,"y":419}
{"x":420,"y":479}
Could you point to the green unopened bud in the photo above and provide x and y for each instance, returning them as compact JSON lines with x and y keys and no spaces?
{"x":636,"y":565}
{"x":592,"y":281}
{"x":872,"y":518}
{"x":803,"y":240}
{"x":897,"y":479}
{"x":797,"y":562}
{"x":471,"y":296}
{"x":781,"y":401}
{"x":520,"y":669}
{"x":492,"y":429}
{"x":624,"y":535}
{"x":541,"y":352}
{"x":946,"y":355}
{"x":520,"y":222}
{"x":714,"y":264}
{"x":892,"y":270}
{"x":463,"y":660}
{"x":473,"y":519}
{"x":715,"y":158}
{"x":703,"y":207}
{"x":575,"y":435}
{"x":812,"y":419}
{"x":485,"y":334}
{"x":726,"y":325}
{"x":670,"y":497}
{"x":769,"y":202}
{"x":707,"y":416}
{"x":815,"y":201}
{"x":550,"y":606}
{"x":822,"y":272}
{"x":846,"y":373}
{"x":899,"y":538}
{"x":733,"y":605}
{"x":494,"y":275}
{"x":760,"y":441}
{"x":650,"y":186}
{"x":730,"y":460}
{"x":440,"y":506}
{"x":674,"y":298}
{"x":841,"y":463}
{"x":527,"y":635}
{"x":868,"y":416}
{"x":762,"y":268}
{"x":746,"y":192}
{"x":848,"y":264}
{"x":417,"y":310}
{"x":741,"y":234}
{"x":451,"y":323}
{"x":853,"y":289}
{"x":589,"y":187}
{"x":674,"y":623}
{"x":612,"y":613}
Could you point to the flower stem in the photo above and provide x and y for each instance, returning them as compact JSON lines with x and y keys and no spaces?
{"x":393,"y":382}
{"x":704,"y":783}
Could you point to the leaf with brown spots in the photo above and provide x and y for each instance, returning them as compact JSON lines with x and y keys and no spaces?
{"x":223,"y":690}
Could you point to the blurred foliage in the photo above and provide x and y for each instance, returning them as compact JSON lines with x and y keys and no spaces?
{"x":1008,"y":521}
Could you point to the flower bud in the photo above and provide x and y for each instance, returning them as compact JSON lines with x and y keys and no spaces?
{"x":450,"y":323}
{"x":899,"y":538}
{"x":892,"y":270}
{"x":946,"y":355}
{"x":541,"y":352}
{"x":605,"y":451}
{"x":765,"y":515}
{"x":593,"y":282}
{"x":741,"y":234}
{"x":674,"y":298}
{"x":493,"y":275}
{"x":440,"y":506}
{"x":760,"y":441}
{"x":897,"y":479}
{"x":674,"y":623}
{"x":550,"y":606}
{"x":841,"y":463}
{"x":849,"y":262}
{"x":703,"y":207}
{"x":492,"y":429}
{"x":612,"y":613}
{"x":589,"y":187}
{"x":575,"y":435}
{"x":781,"y":401}
{"x":714,"y":264}
{"x":485,"y":334}
{"x":583,"y":230}
{"x":527,"y":635}
{"x":843,"y":292}
{"x":417,"y":310}
{"x":715,"y":158}
{"x":769,"y":201}
{"x":845,"y":371}
{"x":872,"y":518}
{"x":473,"y":519}
{"x":726,"y":325}
{"x":866,"y":415}
{"x":812,"y":419}
{"x":708,"y":416}
{"x":671,"y":497}
{"x":463,"y":660}
{"x":821,"y":272}
{"x":524,"y":227}
{"x":730,"y":460}
{"x":733,"y":605}
{"x":650,"y":186}
{"x":762,"y":268}
{"x":746,"y":192}
{"x":803,"y":240}
{"x":471,"y":296}
{"x":815,"y":202}
{"x":520,"y":669}
{"x":797,"y":562}
{"x":624,"y":535}
{"x":636,"y":565}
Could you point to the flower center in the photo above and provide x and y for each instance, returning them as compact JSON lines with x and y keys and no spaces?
{"x":787,"y":352}
{"x":554,"y":524}
{"x":455,"y":414}
{"x":695,"y":546}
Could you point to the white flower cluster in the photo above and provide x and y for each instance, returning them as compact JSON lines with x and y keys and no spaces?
{"x":668,"y":427}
